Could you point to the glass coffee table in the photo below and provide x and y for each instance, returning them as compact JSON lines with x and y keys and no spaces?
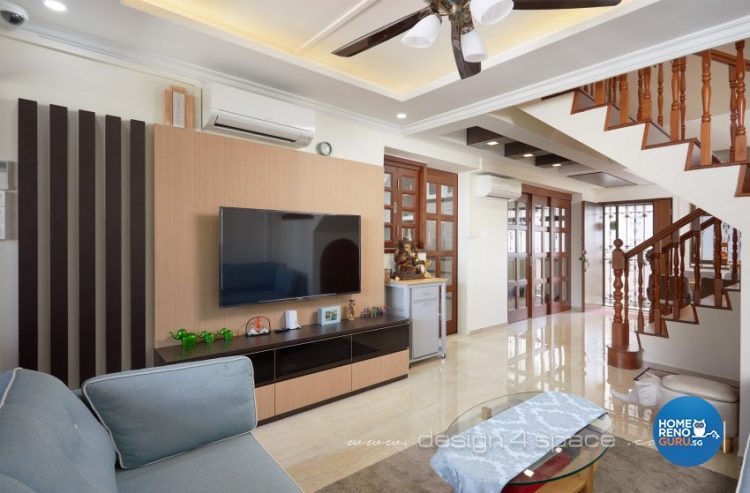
{"x":568,"y":467}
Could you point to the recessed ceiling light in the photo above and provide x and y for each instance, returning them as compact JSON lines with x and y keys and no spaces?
{"x":492,"y":143}
{"x":556,"y":165}
{"x":55,"y":5}
{"x":528,"y":154}
{"x":401,"y":116}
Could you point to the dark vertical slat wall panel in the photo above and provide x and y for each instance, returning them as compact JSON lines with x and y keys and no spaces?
{"x":113,"y":241}
{"x":86,"y":244}
{"x":58,"y":149}
{"x":28,"y":235}
{"x":137,"y":244}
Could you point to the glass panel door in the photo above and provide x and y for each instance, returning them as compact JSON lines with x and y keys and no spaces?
{"x":560,"y":255}
{"x":518,"y":256}
{"x":540,"y":255}
{"x":401,"y":193}
{"x":440,"y":227}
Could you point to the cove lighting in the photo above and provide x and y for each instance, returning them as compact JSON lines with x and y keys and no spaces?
{"x":55,"y":5}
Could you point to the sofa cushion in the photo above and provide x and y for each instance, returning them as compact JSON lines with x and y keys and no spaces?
{"x":157,"y":413}
{"x":49,"y":441}
{"x":700,"y":387}
{"x":229,"y":466}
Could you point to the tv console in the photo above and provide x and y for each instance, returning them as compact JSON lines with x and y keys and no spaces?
{"x":300,"y":369}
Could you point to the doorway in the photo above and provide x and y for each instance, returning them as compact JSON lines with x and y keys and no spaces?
{"x":592,"y":255}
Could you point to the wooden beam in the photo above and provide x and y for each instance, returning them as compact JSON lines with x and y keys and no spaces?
{"x":550,"y":159}
{"x":479,"y":135}
{"x":515,"y":149}
{"x":113,"y":241}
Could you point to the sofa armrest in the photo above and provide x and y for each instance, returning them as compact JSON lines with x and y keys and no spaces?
{"x":156,"y":413}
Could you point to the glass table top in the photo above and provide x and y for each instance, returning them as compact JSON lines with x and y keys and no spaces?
{"x":577,"y":453}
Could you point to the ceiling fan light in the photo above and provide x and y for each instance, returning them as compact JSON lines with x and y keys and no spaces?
{"x":488,"y":12}
{"x":423,"y":34}
{"x":473,"y":47}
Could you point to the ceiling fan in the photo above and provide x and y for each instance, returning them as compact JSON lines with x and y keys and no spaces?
{"x":423,"y":26}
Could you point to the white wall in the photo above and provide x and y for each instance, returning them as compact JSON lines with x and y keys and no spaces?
{"x":483,"y":261}
{"x":745,"y":352}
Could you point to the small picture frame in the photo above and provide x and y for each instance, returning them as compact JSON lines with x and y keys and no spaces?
{"x":329,"y":315}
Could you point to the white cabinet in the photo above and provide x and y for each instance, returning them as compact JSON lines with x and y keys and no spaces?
{"x":422,"y":301}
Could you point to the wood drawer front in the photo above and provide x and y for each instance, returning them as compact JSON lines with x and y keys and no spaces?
{"x":265,"y":402}
{"x":373,"y":371}
{"x":304,"y":391}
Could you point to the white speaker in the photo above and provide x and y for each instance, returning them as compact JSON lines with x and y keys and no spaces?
{"x":290,"y":319}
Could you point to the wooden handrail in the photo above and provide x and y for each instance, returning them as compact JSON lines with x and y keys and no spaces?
{"x":726,"y":58}
{"x":704,"y":225}
{"x":668,"y":231}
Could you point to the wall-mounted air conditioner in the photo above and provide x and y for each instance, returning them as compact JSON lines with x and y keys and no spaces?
{"x":496,"y":187}
{"x":243,"y":114}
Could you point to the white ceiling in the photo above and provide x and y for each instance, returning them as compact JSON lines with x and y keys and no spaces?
{"x":267,"y":58}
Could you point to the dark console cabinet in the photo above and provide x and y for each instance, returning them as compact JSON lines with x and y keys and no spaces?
{"x":299,"y":369}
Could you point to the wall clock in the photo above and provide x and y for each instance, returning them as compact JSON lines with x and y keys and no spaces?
{"x":325,"y":148}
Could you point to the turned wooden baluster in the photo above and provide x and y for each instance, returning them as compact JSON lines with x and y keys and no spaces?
{"x":660,"y":95}
{"x":683,"y":278}
{"x":647,"y":93}
{"x":676,"y":291}
{"x":717,"y":264}
{"x":640,"y":264}
{"x":599,"y":95}
{"x":674,"y":117}
{"x":735,"y":241}
{"x":656,"y":274}
{"x":697,"y":261}
{"x":683,"y":97}
{"x":624,"y":99}
{"x":706,"y":154}
{"x":639,"y":114}
{"x":626,"y":292}
{"x":740,"y":141}
{"x":732,"y":111}
{"x":652,"y":292}
{"x":620,"y":333}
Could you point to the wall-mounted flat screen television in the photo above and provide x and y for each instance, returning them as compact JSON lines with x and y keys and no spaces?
{"x":268,"y":256}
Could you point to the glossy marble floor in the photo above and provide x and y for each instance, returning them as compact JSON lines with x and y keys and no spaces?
{"x":564,"y":352}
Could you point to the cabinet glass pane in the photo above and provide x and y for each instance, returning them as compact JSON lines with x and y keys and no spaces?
{"x":537,"y":241}
{"x":446,"y":269}
{"x":512,"y":216}
{"x":556,"y":243}
{"x":387,"y":180}
{"x":547,"y":268}
{"x":556,"y":216}
{"x":558,"y":267}
{"x":547,"y":294}
{"x":407,"y":233}
{"x":408,"y":201}
{"x":522,"y":214}
{"x":537,"y":294}
{"x":521,"y":241}
{"x":512,"y":269}
{"x":546,"y":217}
{"x":446,"y":235}
{"x":374,"y":343}
{"x":448,"y":306}
{"x":408,"y":183}
{"x":387,"y":200}
{"x":432,"y":268}
{"x":512,"y":290}
{"x":387,"y":233}
{"x":564,"y":292}
{"x":522,"y":296}
{"x":537,"y":215}
{"x":316,"y":356}
{"x":563,"y":242}
{"x":545,"y":242}
{"x":431,"y":198}
{"x":446,"y":200}
{"x":538,"y":271}
{"x":430,"y":241}
{"x":557,"y":291}
{"x":407,"y":217}
{"x":564,"y":267}
{"x":563,"y":219}
{"x":387,"y":216}
{"x":512,"y":241}
{"x":521,"y":269}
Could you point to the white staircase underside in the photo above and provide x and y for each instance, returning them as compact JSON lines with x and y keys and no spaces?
{"x":710,"y":347}
{"x":712,"y":189}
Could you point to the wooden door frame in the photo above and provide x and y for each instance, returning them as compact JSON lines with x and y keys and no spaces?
{"x":450,"y":179}
{"x":419,"y":168}
{"x":518,"y":314}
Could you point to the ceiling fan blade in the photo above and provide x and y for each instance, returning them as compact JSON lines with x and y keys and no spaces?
{"x":562,"y":4}
{"x":465,"y":69}
{"x":383,"y":34}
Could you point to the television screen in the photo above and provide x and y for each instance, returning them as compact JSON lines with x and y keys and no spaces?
{"x":268,"y":256}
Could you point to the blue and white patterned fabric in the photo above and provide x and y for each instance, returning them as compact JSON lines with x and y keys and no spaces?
{"x":486,"y":457}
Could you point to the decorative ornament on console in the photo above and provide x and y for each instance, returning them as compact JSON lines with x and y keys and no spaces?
{"x":258,"y":326}
{"x":407,"y":261}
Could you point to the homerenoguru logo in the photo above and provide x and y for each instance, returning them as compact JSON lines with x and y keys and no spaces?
{"x":688,"y":431}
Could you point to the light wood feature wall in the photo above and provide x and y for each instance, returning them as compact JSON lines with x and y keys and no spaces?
{"x":265,"y":401}
{"x":376,"y":370}
{"x":195,"y":173}
{"x":304,"y":391}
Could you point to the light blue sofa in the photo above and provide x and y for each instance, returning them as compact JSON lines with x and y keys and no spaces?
{"x":180,"y":428}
